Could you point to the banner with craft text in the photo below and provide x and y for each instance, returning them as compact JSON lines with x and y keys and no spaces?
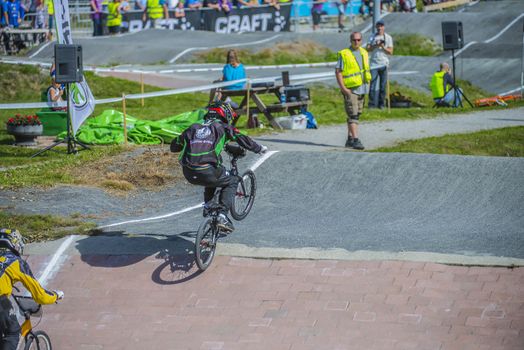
{"x":247,"y":19}
{"x":80,"y":96}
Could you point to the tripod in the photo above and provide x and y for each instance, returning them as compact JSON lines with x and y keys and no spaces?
{"x":456,"y":90}
{"x":70,"y":139}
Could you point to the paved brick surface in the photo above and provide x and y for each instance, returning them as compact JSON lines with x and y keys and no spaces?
{"x":152,"y":302}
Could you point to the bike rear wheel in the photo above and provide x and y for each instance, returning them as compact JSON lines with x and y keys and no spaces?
{"x":245,"y":196}
{"x":38,"y":340}
{"x":205,"y":243}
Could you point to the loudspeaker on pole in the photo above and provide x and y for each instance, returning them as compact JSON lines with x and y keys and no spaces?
{"x":68,"y":63}
{"x":452,"y":35}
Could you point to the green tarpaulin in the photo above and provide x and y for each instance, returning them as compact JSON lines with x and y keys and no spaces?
{"x":108,"y":128}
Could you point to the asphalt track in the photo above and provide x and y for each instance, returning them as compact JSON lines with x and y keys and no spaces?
{"x":317,"y":200}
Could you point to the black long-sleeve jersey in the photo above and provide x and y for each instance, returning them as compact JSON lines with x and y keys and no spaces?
{"x":200,"y":145}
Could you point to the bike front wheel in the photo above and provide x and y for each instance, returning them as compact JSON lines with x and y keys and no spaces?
{"x":205,"y":243}
{"x":244,"y":196}
{"x":38,"y":340}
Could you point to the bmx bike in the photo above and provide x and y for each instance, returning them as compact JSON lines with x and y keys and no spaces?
{"x":208,"y":232}
{"x":34,"y":340}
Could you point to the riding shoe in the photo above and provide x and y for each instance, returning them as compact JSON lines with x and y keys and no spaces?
{"x":357,"y":144}
{"x":224,"y":223}
{"x":349,"y":142}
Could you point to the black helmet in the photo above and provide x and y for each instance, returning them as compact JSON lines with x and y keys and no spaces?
{"x":221,"y":111}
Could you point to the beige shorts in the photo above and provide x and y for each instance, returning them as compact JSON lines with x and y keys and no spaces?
{"x":354,"y":104}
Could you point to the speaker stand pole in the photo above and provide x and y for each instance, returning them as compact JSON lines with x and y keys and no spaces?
{"x":70,"y":138}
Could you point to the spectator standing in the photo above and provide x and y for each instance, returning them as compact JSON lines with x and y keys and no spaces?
{"x":96,"y":17}
{"x":443,"y":88}
{"x":13,"y":13}
{"x":50,"y":16}
{"x":140,"y":5}
{"x":155,"y":11}
{"x":3,"y":14}
{"x":353,"y":76}
{"x":316,"y":13}
{"x":39,"y":22}
{"x":380,"y":45}
{"x":114,"y":17}
{"x":341,"y":5}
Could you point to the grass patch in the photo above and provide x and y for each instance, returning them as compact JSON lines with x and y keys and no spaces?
{"x":282,"y":53}
{"x":504,"y":142}
{"x":36,"y":228}
{"x":415,"y":45}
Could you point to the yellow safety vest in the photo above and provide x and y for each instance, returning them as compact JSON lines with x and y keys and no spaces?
{"x":437,"y":85}
{"x":351,"y":72}
{"x":114,"y":18}
{"x":50,"y":7}
{"x":154,"y":9}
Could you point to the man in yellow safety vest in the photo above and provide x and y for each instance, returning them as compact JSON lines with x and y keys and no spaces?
{"x":353,"y":76}
{"x":155,"y":10}
{"x":442,"y":88}
{"x":114,"y":17}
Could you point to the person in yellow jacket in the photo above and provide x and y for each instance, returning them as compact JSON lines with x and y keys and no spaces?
{"x":442,"y":88}
{"x":155,"y":10}
{"x":114,"y":17}
{"x":14,"y":269}
{"x":51,"y":15}
{"x":353,"y":77}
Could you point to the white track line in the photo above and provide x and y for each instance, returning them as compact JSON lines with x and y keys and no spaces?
{"x":223,"y":46}
{"x":511,"y":91}
{"x":185,"y":210}
{"x":56,"y":258}
{"x":40,"y":49}
{"x":495,"y":37}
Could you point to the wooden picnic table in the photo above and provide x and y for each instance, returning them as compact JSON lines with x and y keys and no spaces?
{"x":252,"y":95}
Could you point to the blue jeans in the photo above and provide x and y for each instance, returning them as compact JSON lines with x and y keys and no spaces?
{"x":449,"y":98}
{"x":374,"y":100}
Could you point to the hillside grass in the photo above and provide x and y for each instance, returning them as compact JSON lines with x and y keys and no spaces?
{"x":414,"y":45}
{"x":504,"y":142}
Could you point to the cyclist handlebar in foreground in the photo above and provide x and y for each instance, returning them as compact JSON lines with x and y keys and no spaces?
{"x":14,"y":269}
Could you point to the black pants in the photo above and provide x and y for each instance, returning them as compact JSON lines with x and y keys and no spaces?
{"x":9,"y":327}
{"x":211,"y":178}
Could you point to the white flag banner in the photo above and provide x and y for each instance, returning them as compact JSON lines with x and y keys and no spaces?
{"x":81,"y":99}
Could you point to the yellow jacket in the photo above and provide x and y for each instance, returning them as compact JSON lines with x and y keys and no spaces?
{"x":352,"y":74}
{"x":14,"y":269}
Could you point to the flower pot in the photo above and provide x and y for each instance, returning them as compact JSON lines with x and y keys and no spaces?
{"x":25,"y":135}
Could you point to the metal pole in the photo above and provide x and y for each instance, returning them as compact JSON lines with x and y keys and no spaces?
{"x":376,"y":12}
{"x":387,"y":89}
{"x":522,"y":65}
{"x":125,"y":121}
{"x":142,"y":88}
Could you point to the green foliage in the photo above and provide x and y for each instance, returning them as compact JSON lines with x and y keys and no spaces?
{"x":505,"y":142}
{"x":415,"y":45}
{"x":44,"y":227}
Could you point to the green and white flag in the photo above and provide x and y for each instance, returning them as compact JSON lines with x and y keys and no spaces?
{"x":81,"y":99}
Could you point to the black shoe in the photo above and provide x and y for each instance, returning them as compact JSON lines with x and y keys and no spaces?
{"x":224,"y":223}
{"x":349,"y":142}
{"x":205,"y":212}
{"x":357,"y":144}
